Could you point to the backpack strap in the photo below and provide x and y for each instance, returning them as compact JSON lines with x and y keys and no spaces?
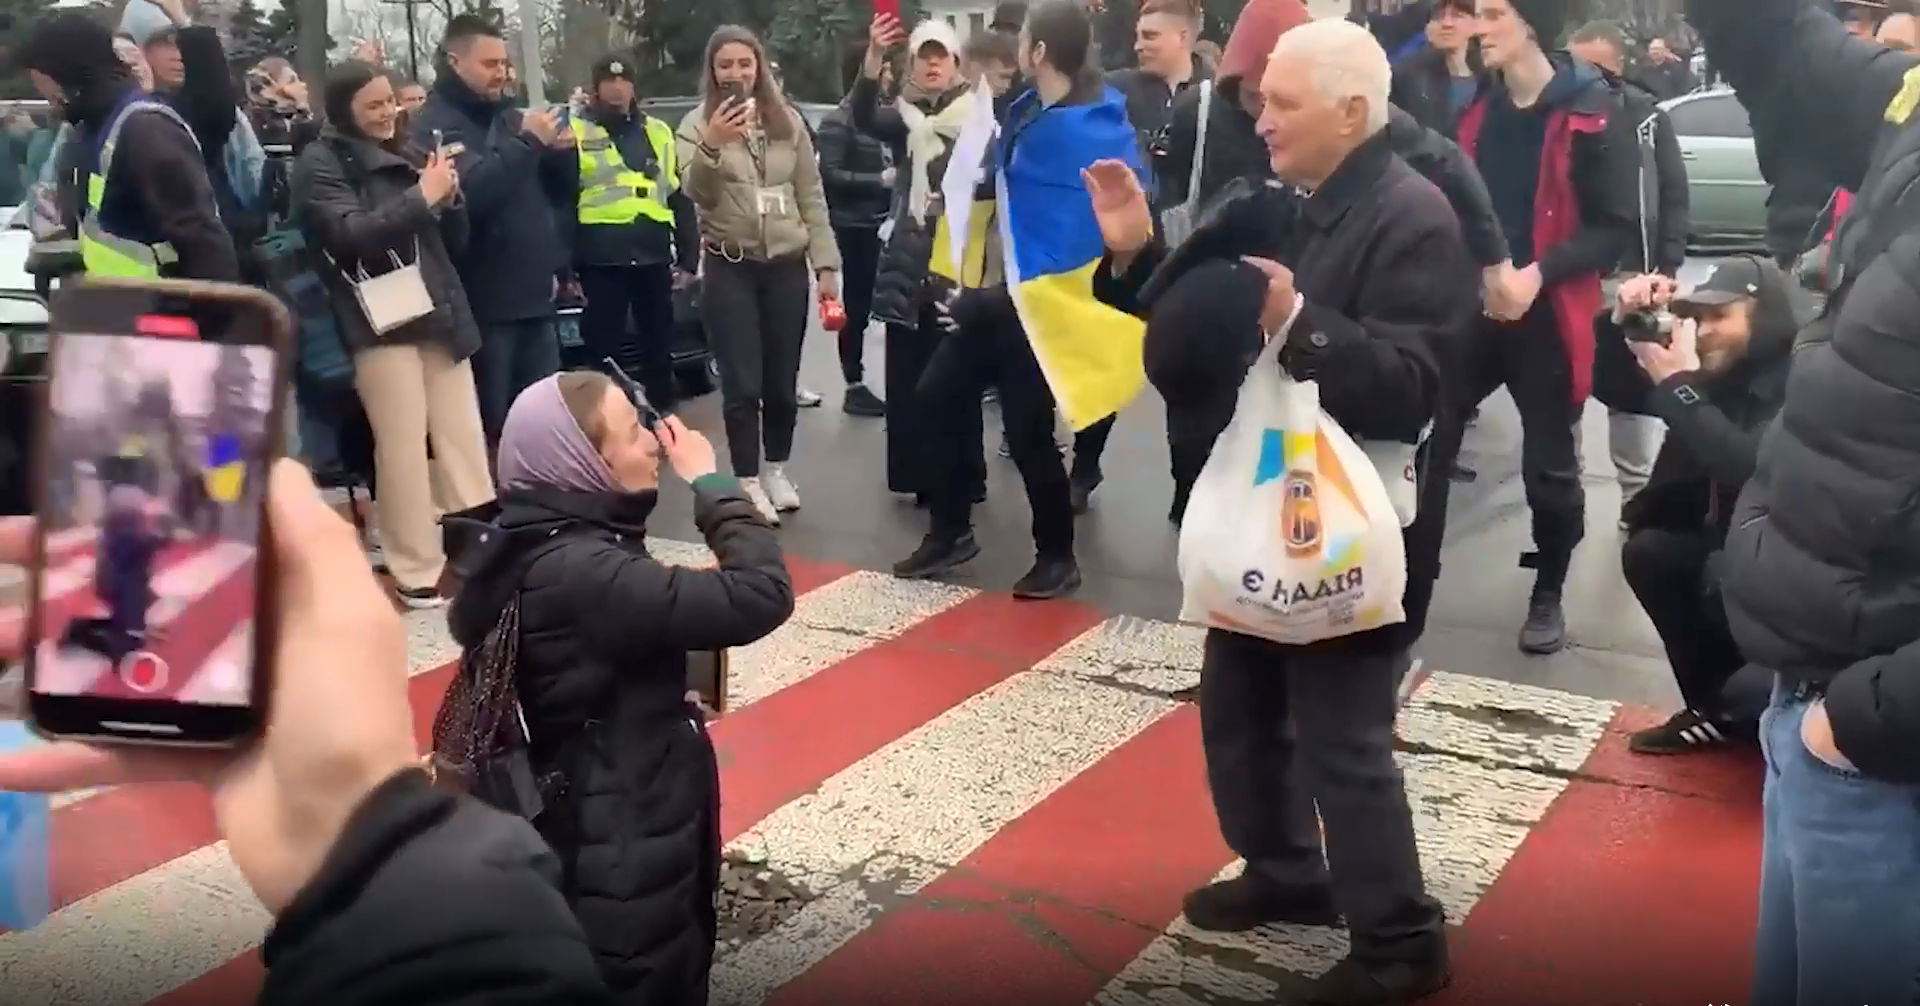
{"x":133,"y":108}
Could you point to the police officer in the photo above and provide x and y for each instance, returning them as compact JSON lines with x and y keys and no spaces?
{"x":134,"y":179}
{"x":633,"y":234}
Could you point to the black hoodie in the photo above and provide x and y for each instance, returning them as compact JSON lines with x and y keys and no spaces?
{"x":1715,"y":420}
{"x":158,"y":188}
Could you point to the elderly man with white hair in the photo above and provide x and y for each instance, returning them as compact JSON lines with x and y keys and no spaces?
{"x":1375,"y":303}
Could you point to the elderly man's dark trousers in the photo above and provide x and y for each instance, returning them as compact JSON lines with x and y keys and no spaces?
{"x":1286,"y":729}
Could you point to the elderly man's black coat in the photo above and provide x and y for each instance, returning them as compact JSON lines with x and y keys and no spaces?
{"x":1389,"y":295}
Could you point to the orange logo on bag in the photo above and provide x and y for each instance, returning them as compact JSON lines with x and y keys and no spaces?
{"x":1300,"y":523}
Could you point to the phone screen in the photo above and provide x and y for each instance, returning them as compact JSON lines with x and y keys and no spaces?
{"x":162,"y":417}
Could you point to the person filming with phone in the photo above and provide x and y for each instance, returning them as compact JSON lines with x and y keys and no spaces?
{"x":388,"y":218}
{"x":602,"y":631}
{"x":1717,"y":358}
{"x":520,"y":178}
{"x":747,"y":161}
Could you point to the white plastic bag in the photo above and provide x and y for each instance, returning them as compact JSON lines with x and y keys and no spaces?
{"x":1290,"y":534}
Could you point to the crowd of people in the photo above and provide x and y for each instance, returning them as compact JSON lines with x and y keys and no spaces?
{"x":1504,"y":206}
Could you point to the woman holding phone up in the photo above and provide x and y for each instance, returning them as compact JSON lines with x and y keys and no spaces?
{"x":385,"y":215}
{"x":750,"y":170}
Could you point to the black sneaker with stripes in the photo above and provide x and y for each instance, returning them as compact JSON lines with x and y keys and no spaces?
{"x":1684,"y":732}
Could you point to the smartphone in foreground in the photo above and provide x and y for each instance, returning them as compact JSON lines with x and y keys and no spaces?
{"x":163,"y":414}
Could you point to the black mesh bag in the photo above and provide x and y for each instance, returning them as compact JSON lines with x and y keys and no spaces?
{"x":480,"y":740}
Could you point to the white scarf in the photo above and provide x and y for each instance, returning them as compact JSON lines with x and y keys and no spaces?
{"x":928,"y":137}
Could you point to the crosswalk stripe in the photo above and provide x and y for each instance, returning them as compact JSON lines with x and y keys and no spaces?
{"x":899,"y":819}
{"x":948,"y":777}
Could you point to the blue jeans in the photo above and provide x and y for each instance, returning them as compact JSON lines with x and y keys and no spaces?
{"x":512,"y":355}
{"x":1839,"y":877}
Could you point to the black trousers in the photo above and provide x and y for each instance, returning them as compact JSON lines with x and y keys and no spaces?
{"x":1088,"y":445}
{"x":991,"y":351}
{"x":756,"y":319}
{"x":859,"y":264}
{"x":1667,"y":572}
{"x":629,"y":318}
{"x":909,"y":429}
{"x":1287,"y":729}
{"x":1528,"y":358}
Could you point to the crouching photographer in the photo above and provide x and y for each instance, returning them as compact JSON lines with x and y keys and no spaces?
{"x":1717,"y":359}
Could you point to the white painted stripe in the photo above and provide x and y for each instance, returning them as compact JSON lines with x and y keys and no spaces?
{"x":223,"y":679}
{"x":59,"y":672}
{"x":830,"y":624}
{"x":1489,"y":766}
{"x":162,"y":929}
{"x":60,"y":548}
{"x":891,"y":824}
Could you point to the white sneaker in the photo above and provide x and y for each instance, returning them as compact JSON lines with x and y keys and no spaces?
{"x":807,"y":398}
{"x":760,"y":501}
{"x":780,"y":489}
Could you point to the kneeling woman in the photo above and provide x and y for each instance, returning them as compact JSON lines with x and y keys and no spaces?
{"x":601,"y":667}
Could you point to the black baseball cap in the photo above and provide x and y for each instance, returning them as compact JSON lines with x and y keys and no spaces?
{"x":611,"y":68}
{"x":1739,"y":278}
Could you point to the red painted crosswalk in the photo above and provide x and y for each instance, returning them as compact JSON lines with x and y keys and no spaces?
{"x":980,"y":800}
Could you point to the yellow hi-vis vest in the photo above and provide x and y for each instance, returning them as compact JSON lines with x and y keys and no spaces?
{"x":611,"y":192}
{"x":107,"y":254}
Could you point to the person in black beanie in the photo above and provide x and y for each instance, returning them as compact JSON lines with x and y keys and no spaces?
{"x":154,"y":188}
{"x":1559,"y":157}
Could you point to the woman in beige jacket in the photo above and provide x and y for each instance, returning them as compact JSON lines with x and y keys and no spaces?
{"x":748,"y":165}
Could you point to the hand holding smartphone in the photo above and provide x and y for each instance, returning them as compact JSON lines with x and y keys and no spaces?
{"x":163,"y":416}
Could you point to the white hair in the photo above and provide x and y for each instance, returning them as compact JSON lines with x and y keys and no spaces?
{"x":1345,"y":61}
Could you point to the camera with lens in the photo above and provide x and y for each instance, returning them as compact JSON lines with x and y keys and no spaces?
{"x":1648,"y":325}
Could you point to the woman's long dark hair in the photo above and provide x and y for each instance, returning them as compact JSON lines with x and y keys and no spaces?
{"x":348,"y":79}
{"x":1066,"y":29}
{"x":776,"y":116}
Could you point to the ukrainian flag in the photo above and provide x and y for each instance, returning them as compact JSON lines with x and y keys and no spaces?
{"x":226,"y":471}
{"x":1089,"y":352}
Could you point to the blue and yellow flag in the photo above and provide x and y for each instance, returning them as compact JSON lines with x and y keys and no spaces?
{"x":1089,"y":352}
{"x":226,"y":471}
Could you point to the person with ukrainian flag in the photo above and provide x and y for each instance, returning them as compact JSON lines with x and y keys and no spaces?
{"x":1032,"y":329}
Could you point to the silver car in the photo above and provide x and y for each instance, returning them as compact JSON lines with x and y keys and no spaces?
{"x":1728,"y":197}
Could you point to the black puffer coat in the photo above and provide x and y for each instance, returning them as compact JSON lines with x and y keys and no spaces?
{"x":900,"y":287}
{"x":605,"y":629}
{"x":1822,"y":576}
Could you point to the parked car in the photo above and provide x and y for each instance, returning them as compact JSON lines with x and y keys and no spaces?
{"x":1728,"y":195}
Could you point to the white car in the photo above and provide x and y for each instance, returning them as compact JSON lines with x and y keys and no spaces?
{"x":23,"y":315}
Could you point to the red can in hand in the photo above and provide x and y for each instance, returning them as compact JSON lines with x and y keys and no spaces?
{"x":833,"y":315}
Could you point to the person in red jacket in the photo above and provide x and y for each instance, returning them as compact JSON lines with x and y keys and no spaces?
{"x":1562,"y":166}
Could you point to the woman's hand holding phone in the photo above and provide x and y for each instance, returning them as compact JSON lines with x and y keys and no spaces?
{"x":730,"y":121}
{"x":882,"y":35}
{"x":438,"y":180}
{"x":339,"y":725}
